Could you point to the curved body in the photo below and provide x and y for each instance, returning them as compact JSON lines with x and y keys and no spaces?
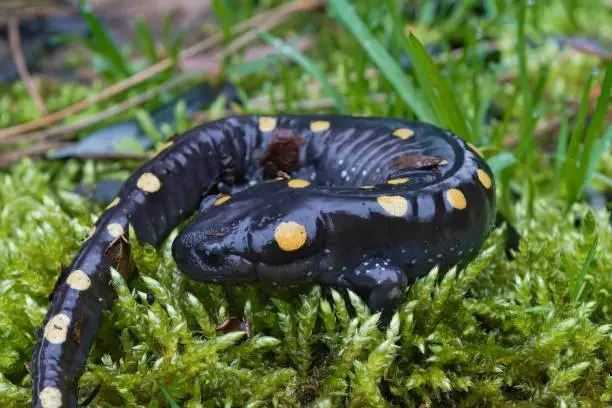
{"x":364,"y":203}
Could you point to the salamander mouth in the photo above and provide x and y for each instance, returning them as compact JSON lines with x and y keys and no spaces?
{"x":213,"y":265}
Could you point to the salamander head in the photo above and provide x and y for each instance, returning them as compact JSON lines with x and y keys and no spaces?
{"x":213,"y":247}
{"x":233,"y":241}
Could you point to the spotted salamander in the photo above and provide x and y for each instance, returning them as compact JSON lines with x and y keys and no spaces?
{"x":364,"y":203}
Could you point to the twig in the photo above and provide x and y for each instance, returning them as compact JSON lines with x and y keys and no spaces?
{"x":117,"y":156}
{"x":66,"y":131}
{"x":30,"y":9}
{"x":20,"y":63}
{"x":9,"y":158}
{"x":263,"y":103}
{"x":268,"y":20}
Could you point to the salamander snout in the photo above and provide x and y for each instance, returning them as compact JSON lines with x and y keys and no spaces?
{"x":211,"y":256}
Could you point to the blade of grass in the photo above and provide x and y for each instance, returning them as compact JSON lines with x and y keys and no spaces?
{"x":145,"y":40}
{"x":427,"y":14}
{"x":498,"y":132}
{"x":480,"y":137}
{"x":103,"y":44}
{"x":286,"y":82}
{"x":595,"y":157}
{"x":169,"y":398}
{"x":222,"y":12}
{"x":574,"y":145}
{"x":238,"y":71}
{"x":307,"y":65}
{"x":396,"y":19}
{"x":501,"y":161}
{"x":578,"y":284}
{"x":526,"y":135}
{"x":560,"y":155}
{"x":457,"y":18}
{"x":526,"y":146}
{"x":479,"y":106}
{"x":582,"y":162}
{"x":571,"y":160}
{"x":440,"y":94}
{"x":345,"y":12}
{"x":172,"y":44}
{"x":603,"y":179}
{"x":591,"y":155}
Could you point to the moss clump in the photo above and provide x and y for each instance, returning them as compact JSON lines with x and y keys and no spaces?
{"x":530,"y":331}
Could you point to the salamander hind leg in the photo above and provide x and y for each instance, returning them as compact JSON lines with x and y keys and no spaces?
{"x":381,"y":284}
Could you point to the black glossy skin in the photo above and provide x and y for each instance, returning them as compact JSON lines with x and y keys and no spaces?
{"x":361,"y":232}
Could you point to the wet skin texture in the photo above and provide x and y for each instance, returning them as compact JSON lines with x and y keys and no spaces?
{"x":368,"y":204}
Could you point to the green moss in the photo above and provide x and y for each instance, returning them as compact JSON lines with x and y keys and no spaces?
{"x":498,"y":333}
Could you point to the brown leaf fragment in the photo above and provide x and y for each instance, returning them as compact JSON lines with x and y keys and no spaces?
{"x":417,"y":161}
{"x":282,"y":154}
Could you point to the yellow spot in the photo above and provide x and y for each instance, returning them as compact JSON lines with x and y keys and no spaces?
{"x":484,"y":178}
{"x":115,"y":230}
{"x":148,"y":182}
{"x":319,"y":125}
{"x":403,"y":133}
{"x":366,"y":187}
{"x":56,"y":329}
{"x":394,"y":205}
{"x":398,"y":181}
{"x":113,"y":203}
{"x":298,"y":183}
{"x":456,"y":198}
{"x":474,"y":148}
{"x":267,"y":124}
{"x":50,"y":397}
{"x":290,"y":235}
{"x":222,"y":199}
{"x":78,"y":280}
{"x":443,"y":163}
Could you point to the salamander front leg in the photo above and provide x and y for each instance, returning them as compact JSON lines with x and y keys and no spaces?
{"x":381,"y":283}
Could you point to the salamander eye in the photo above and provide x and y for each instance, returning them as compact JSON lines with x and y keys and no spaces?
{"x":212,"y":259}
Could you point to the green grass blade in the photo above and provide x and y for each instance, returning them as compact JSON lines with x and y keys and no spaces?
{"x":526,"y":135}
{"x":501,"y":161}
{"x":169,"y":398}
{"x":526,"y":147}
{"x":103,"y":44}
{"x":591,"y":155}
{"x":583,"y":158}
{"x":396,"y":19}
{"x":224,"y":15}
{"x":570,"y":167}
{"x":458,"y":17}
{"x":146,"y":40}
{"x":176,"y":45}
{"x":561,"y":153}
{"x":603,"y":179}
{"x":239,"y":71}
{"x":539,"y":89}
{"x":574,"y":145}
{"x":307,"y":65}
{"x":578,"y":284}
{"x":390,"y":69}
{"x":441,"y":96}
{"x":596,"y":155}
